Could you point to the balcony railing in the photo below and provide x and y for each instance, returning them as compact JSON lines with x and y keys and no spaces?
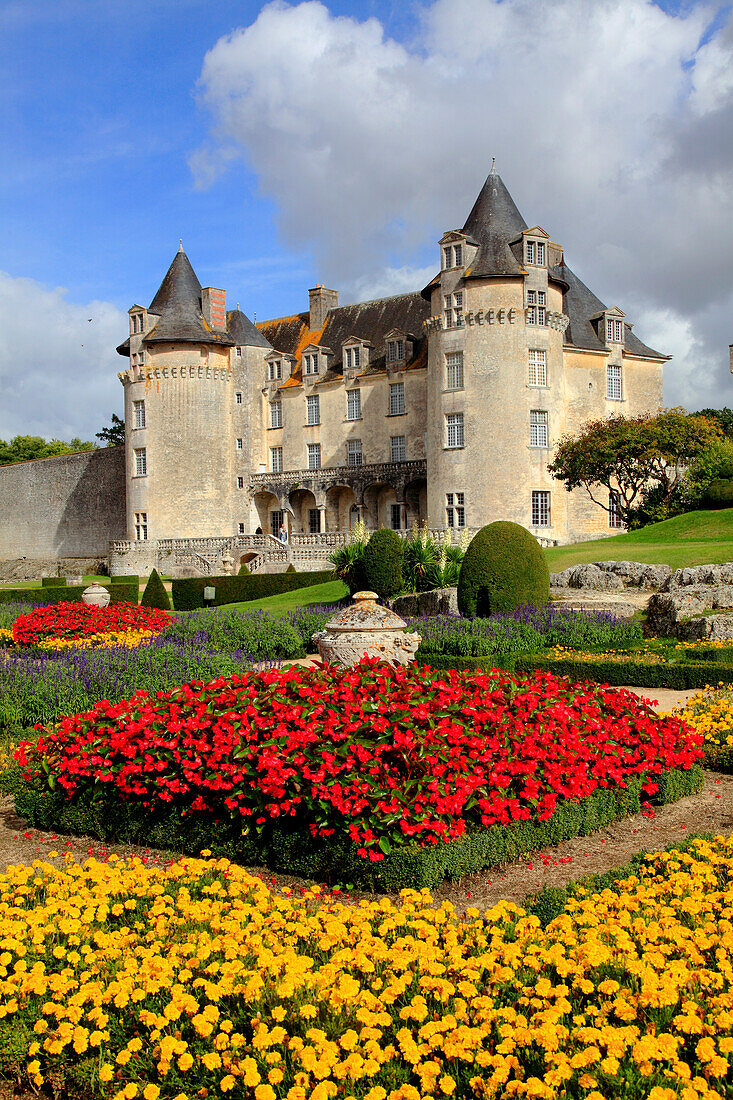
{"x":372,"y":471}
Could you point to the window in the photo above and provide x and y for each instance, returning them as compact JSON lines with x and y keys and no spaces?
{"x":313,"y":409}
{"x":141,"y":358}
{"x":540,"y":252}
{"x":353,"y":405}
{"x":240,"y":444}
{"x":139,"y":413}
{"x":538,"y":429}
{"x":276,"y":414}
{"x":453,"y":256}
{"x":614,"y":331}
{"x":537,"y":375}
{"x":453,"y":311}
{"x":540,"y":508}
{"x":276,"y":459}
{"x":395,"y":350}
{"x":240,"y":528}
{"x":536,"y":307}
{"x":455,"y":509}
{"x":314,"y":456}
{"x":314,"y":521}
{"x":613,"y":382}
{"x":535,"y":252}
{"x":277,"y":518}
{"x":614,"y":509}
{"x":141,"y":462}
{"x":239,"y":353}
{"x":454,"y":436}
{"x":141,"y":526}
{"x":454,"y":370}
{"x":240,"y":482}
{"x":238,"y":398}
{"x":530,"y":252}
{"x":275,"y":369}
{"x":396,"y":398}
{"x":353,"y":452}
{"x":351,"y":357}
{"x":396,"y":517}
{"x":310,"y":364}
{"x":397,"y":448}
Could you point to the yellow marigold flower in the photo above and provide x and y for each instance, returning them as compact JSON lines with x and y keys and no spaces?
{"x":129,"y":1091}
{"x":447,"y":1085}
{"x":106,"y":1072}
{"x":211,"y":1060}
{"x":265,"y":1092}
{"x":151,"y":1092}
{"x":185,"y":1062}
{"x":227,"y":1083}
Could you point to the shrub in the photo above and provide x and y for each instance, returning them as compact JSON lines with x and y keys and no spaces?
{"x":59,"y":593}
{"x":257,"y":634}
{"x":155,"y":594}
{"x":504,"y":568}
{"x":291,"y":568}
{"x":348,"y":560}
{"x":719,"y":494}
{"x":52,"y":582}
{"x":420,"y":561}
{"x":188,"y":593}
{"x":383,"y":563}
{"x":244,"y":570}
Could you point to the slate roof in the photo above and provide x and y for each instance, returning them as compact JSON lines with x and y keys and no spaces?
{"x":368,"y":321}
{"x":580,"y":304}
{"x":243,"y":332}
{"x":178,"y":305}
{"x":494,"y":222}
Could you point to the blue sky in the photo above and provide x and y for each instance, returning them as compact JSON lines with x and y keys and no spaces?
{"x":294,"y":143}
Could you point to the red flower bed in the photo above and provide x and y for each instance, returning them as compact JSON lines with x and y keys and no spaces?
{"x":385,"y":755}
{"x":77,"y":620}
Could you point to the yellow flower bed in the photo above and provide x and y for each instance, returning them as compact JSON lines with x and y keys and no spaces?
{"x":130,"y":639}
{"x":6,"y":637}
{"x":710,"y":712}
{"x":647,"y":654}
{"x":197,"y":980}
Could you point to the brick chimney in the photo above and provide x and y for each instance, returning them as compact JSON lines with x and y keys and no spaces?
{"x":214,"y":307}
{"x":321,"y":301}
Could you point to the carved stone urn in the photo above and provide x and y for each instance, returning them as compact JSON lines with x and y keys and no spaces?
{"x":95,"y":596}
{"x":366,"y":629}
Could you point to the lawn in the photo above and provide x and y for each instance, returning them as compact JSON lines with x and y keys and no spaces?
{"x":330,"y":592}
{"x":694,"y":538}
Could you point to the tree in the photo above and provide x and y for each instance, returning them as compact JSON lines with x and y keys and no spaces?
{"x":722,"y":417}
{"x":627,"y":456}
{"x":114,"y":435}
{"x":24,"y":448}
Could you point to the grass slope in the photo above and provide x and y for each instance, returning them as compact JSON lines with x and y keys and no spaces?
{"x":694,"y":538}
{"x":330,"y":592}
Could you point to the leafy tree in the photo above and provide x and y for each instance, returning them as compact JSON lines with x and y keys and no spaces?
{"x":114,"y":435}
{"x":722,"y":417}
{"x":629,"y":455}
{"x":24,"y":448}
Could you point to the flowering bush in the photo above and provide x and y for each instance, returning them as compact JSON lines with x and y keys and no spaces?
{"x":78,"y":620}
{"x":710,"y":713}
{"x":379,"y":755}
{"x":194,"y":980}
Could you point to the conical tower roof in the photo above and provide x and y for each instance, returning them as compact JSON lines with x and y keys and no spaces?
{"x":243,"y":332}
{"x":178,"y":305}
{"x":493,"y":223}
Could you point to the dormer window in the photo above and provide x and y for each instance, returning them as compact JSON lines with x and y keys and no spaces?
{"x":351,"y":358}
{"x":310,"y":363}
{"x":395,"y":350}
{"x":534,"y":252}
{"x":137,"y":323}
{"x":452,"y":256}
{"x":614,"y":331}
{"x":274,"y":370}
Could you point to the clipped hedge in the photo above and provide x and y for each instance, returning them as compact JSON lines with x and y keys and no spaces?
{"x":382,"y":563}
{"x":188,"y":592}
{"x":118,"y":593}
{"x":127,"y":578}
{"x":694,"y":674}
{"x":503,"y":568}
{"x":52,"y":582}
{"x":287,"y":848}
{"x":440,"y":661}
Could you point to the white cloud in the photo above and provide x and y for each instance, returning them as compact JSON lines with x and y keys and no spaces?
{"x":611,"y":126}
{"x":58,"y":364}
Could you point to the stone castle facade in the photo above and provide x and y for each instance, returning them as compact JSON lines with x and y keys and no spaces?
{"x":443,"y":405}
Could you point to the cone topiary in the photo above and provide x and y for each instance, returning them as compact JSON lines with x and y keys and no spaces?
{"x":504,"y":568}
{"x":244,"y":570}
{"x":291,"y":569}
{"x":155,"y":594}
{"x":383,"y":563}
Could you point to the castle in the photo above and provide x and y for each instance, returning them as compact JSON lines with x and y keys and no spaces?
{"x":442,"y":405}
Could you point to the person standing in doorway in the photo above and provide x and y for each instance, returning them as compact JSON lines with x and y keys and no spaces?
{"x":283,"y":533}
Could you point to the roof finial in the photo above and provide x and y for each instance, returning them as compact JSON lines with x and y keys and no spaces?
{"x":237,"y":307}
{"x":493,"y":166}
{"x":180,"y":244}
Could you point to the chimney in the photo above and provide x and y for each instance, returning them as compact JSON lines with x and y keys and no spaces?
{"x":214,"y":307}
{"x":321,"y":301}
{"x":730,"y":354}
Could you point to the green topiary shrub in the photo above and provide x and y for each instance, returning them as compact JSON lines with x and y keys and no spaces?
{"x":504,"y":568}
{"x":244,"y":570}
{"x":155,"y":594}
{"x":291,"y":569}
{"x":383,"y":563}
